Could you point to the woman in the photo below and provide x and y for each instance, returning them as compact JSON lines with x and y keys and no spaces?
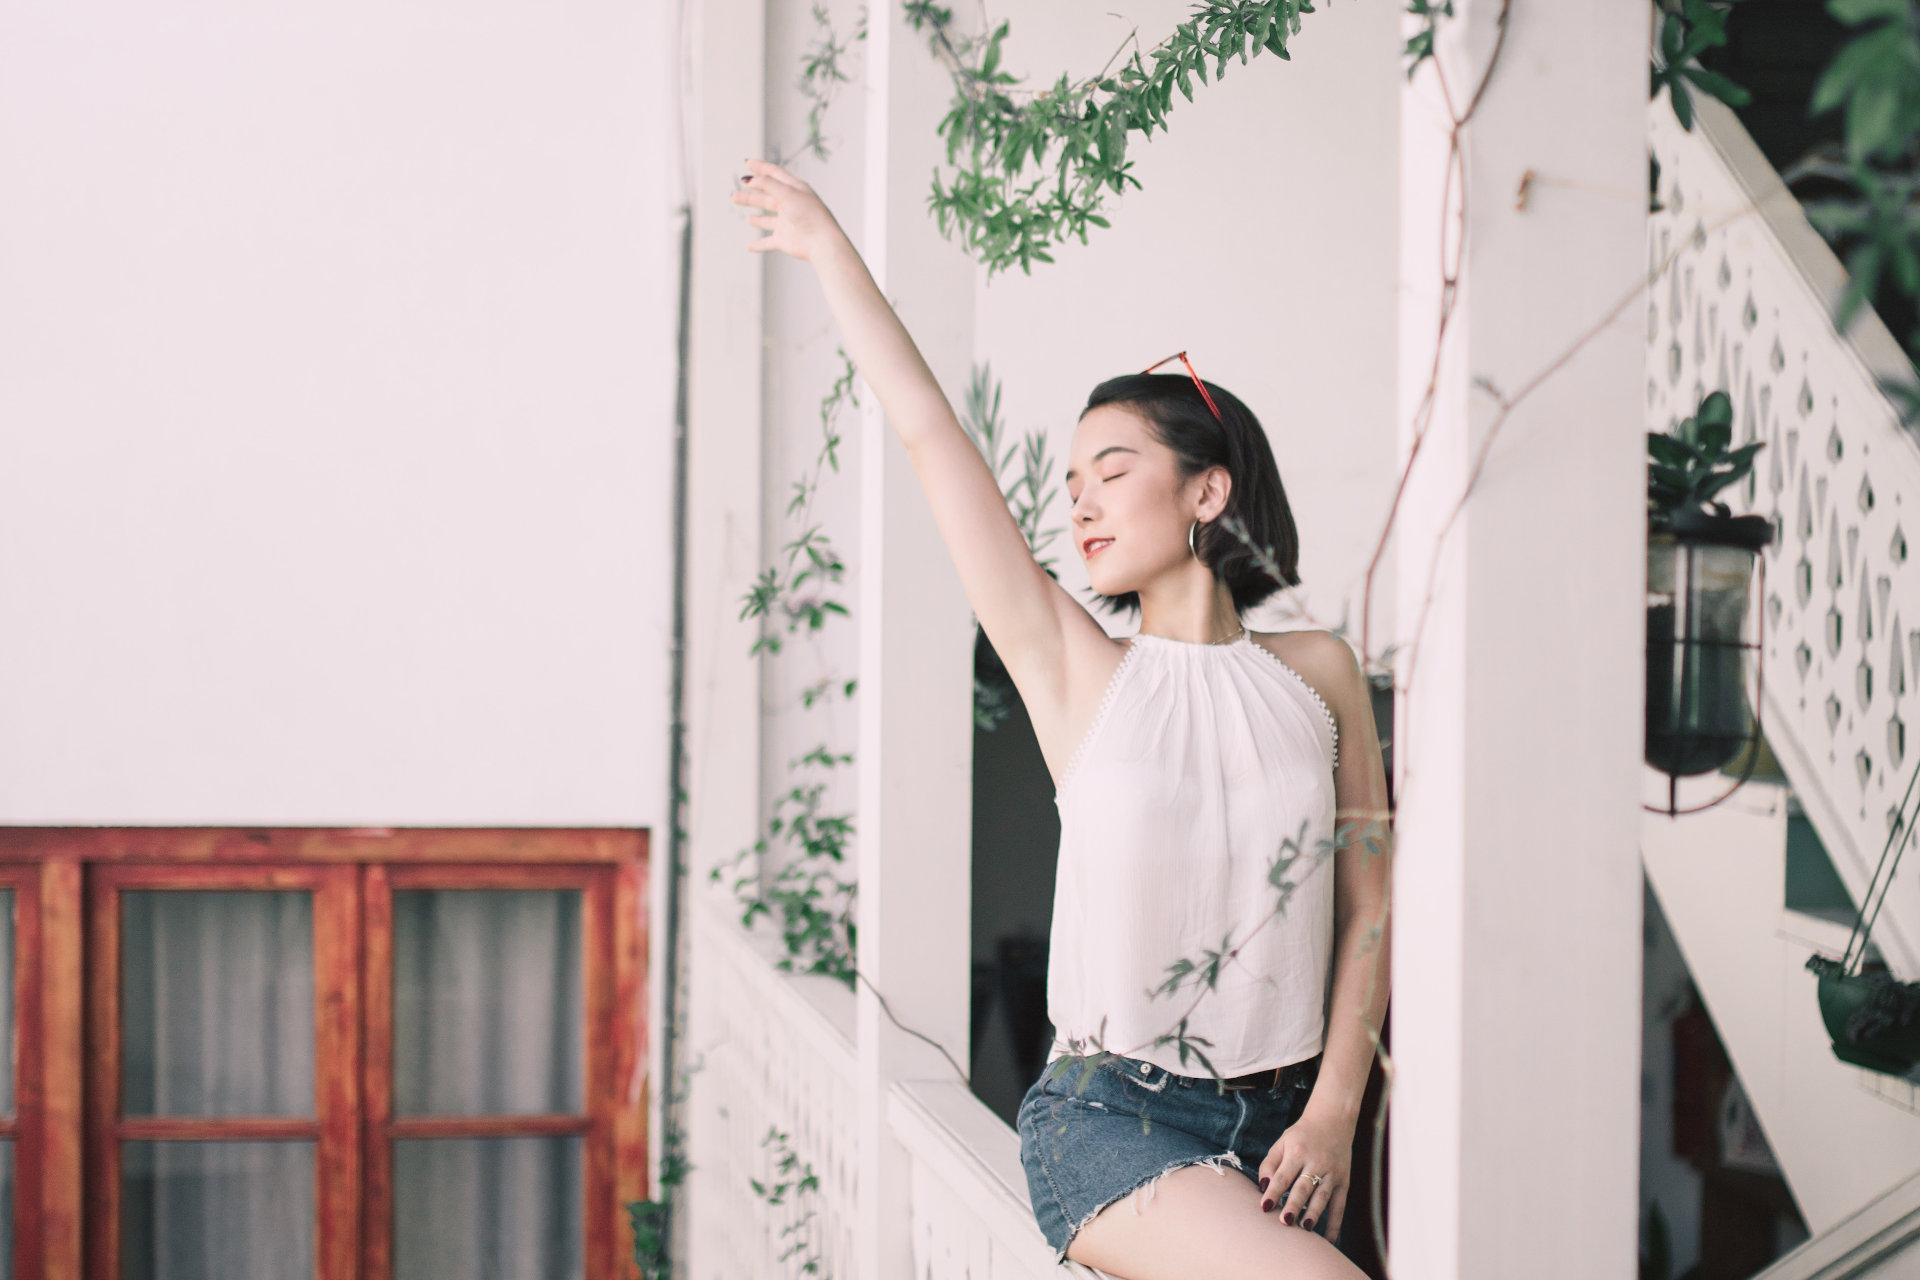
{"x":1197,"y":768}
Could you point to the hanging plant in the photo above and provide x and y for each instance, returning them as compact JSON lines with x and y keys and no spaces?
{"x":1689,"y":464}
{"x":1700,"y":560}
{"x":1872,"y":1018}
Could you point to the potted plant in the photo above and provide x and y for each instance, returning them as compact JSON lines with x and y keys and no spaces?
{"x":1873,"y":1019}
{"x":1700,"y":557}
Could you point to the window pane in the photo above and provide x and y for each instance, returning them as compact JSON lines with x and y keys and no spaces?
{"x":504,"y":1208}
{"x":487,"y":1016}
{"x":217,"y":1211}
{"x":9,"y":1041}
{"x":217,"y":1003}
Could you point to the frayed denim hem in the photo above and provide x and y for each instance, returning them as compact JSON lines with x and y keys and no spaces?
{"x":1148,"y":1185}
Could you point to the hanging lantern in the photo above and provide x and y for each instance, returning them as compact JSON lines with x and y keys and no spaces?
{"x":1700,"y":566}
{"x":1700,"y":560}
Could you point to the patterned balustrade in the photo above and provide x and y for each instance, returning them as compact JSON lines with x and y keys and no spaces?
{"x":775,"y":1051}
{"x":971,"y":1219}
{"x":1743,"y":308}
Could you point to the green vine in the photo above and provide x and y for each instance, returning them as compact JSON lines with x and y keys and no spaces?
{"x":820,"y":73}
{"x":1420,"y":43}
{"x":811,"y":903}
{"x":1690,"y":28}
{"x":1028,"y":492}
{"x":794,"y":1177}
{"x":1089,"y":121}
{"x":810,"y":554}
{"x":650,"y":1219}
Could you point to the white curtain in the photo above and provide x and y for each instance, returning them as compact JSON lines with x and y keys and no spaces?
{"x":488,"y":1021}
{"x":217,"y":1020}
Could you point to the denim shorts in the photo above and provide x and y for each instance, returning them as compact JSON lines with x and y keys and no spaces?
{"x":1084,"y":1147}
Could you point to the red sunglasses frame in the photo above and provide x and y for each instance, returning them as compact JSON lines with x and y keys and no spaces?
{"x":1181,"y":356}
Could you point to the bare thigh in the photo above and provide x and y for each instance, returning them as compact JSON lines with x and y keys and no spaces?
{"x":1201,"y":1225}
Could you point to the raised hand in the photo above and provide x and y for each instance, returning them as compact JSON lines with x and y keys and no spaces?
{"x":799,"y":222}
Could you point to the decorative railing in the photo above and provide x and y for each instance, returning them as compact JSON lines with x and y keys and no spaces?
{"x":971,"y":1216}
{"x":1745,"y":307}
{"x":775,"y":1053}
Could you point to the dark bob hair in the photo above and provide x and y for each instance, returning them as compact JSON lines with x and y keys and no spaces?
{"x":1178,"y":418}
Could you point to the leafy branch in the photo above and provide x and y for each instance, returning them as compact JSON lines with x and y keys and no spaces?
{"x":820,"y":73}
{"x":1875,"y":78}
{"x":1690,"y":28}
{"x":795,"y":1177}
{"x":1687,"y":466}
{"x":808,"y":897}
{"x":1027,"y":491}
{"x":1088,"y":121}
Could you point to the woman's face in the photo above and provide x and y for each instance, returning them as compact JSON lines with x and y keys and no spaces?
{"x":1130,"y":510}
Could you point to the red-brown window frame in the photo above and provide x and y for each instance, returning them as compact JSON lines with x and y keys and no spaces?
{"x":57,"y":1172}
{"x":24,"y":1125}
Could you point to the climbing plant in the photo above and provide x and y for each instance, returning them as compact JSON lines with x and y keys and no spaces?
{"x":1086,"y":122}
{"x":1024,"y":472}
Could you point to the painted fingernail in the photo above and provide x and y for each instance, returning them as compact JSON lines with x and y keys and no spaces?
{"x":1307,"y":1223}
{"x":1263,"y":1184}
{"x":1266,"y":1206}
{"x":1287,"y":1217}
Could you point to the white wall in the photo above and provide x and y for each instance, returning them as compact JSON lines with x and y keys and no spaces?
{"x":1240,"y":249}
{"x":336,"y":376}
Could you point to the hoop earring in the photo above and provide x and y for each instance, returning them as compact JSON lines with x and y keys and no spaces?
{"x":1190,"y":546}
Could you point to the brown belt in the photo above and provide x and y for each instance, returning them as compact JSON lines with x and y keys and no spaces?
{"x":1268,"y":1079}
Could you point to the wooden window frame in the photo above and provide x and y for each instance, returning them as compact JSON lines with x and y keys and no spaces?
{"x":336,"y":1011}
{"x":61,"y":877}
{"x":25,"y":1126}
{"x":595,"y":1123}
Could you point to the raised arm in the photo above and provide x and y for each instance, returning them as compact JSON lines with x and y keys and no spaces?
{"x":1026,"y":614}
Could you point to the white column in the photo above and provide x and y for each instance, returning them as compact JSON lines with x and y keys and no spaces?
{"x":916,"y":658}
{"x":727,"y":110}
{"x":1517,"y":889}
{"x":724,"y":438}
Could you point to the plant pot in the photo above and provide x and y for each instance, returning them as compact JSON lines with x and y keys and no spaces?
{"x":1699,"y":566}
{"x":1874,"y":1021}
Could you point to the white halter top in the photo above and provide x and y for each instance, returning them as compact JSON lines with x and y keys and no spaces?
{"x":1205,"y":764}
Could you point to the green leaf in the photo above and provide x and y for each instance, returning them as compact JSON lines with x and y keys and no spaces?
{"x":1863,"y":266}
{"x":1872,"y":117}
{"x":1855,"y":12}
{"x":1716,"y":410}
{"x":1719,"y":86}
{"x":1682,"y":103}
{"x":1672,"y":40}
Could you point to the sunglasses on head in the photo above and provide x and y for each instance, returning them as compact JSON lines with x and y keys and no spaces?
{"x":1181,"y":356}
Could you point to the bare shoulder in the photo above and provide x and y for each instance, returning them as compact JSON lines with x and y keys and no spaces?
{"x":1324,"y":661}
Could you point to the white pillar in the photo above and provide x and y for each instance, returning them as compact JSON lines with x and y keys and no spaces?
{"x":1517,"y":889}
{"x":915,"y":751}
{"x":726,"y":103}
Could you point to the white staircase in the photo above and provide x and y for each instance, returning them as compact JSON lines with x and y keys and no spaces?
{"x":1745,"y":308}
